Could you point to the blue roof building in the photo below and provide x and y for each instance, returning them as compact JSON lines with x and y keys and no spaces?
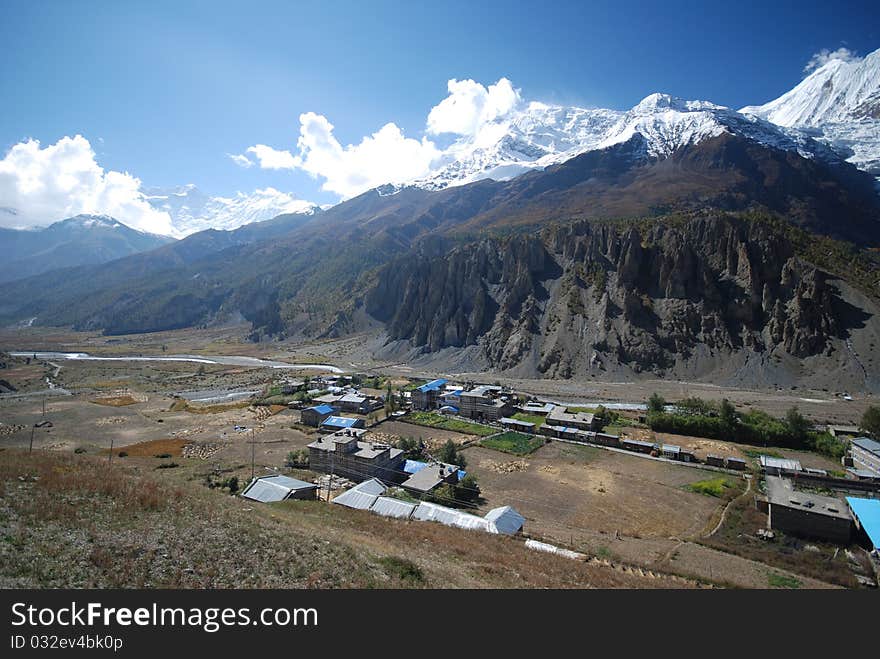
{"x":341,"y":423}
{"x":866,"y":513}
{"x":433,"y":385}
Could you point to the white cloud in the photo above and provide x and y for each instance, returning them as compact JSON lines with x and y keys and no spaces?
{"x":824,"y":56}
{"x":273,"y":158}
{"x":386,"y":156}
{"x":470,"y":106}
{"x":41,"y":185}
{"x":241,"y":160}
{"x":471,"y":111}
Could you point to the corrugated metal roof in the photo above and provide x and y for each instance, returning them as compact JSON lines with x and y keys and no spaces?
{"x":432,"y":512}
{"x":867,"y":511}
{"x":867,"y":444}
{"x":339,"y":421}
{"x":274,"y":488}
{"x":779,"y":463}
{"x":389,"y":507}
{"x":355,"y":499}
{"x":433,"y":385}
{"x":322,"y":409}
{"x":505,"y":520}
{"x":362,"y":496}
{"x":372,"y":486}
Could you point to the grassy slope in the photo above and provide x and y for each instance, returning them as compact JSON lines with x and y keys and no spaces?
{"x":67,"y":521}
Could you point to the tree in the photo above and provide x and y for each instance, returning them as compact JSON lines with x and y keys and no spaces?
{"x":297,"y":459}
{"x":871,"y":420}
{"x":727,"y":412}
{"x":450,"y":454}
{"x":467,"y":490}
{"x":656,"y":403}
{"x":798,"y":425}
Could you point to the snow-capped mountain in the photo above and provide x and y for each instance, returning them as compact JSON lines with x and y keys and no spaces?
{"x":79,"y":240}
{"x":833,"y":114}
{"x":191,"y":210}
{"x":534,"y":136}
{"x":838,"y":104}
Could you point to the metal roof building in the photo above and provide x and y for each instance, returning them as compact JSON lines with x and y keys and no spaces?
{"x":362,"y":496}
{"x":866,"y":513}
{"x":505,"y":520}
{"x":433,"y":385}
{"x":432,"y":512}
{"x":389,"y":507}
{"x":777,"y":465}
{"x":341,"y":422}
{"x":278,"y":488}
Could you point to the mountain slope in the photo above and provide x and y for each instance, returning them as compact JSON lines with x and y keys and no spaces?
{"x":839,"y":104}
{"x":716,"y":295}
{"x":312,"y":274}
{"x":80,"y":240}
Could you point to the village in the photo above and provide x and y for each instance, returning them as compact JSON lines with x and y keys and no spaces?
{"x":584,"y":482}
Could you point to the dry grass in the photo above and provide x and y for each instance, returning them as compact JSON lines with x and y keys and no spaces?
{"x":173,"y":447}
{"x":115,"y":401}
{"x":70,"y":521}
{"x":58,"y":477}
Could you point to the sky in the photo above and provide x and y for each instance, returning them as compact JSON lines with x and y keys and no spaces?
{"x":103,"y":100}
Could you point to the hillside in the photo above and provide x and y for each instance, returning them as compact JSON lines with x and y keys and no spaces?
{"x":120,"y":528}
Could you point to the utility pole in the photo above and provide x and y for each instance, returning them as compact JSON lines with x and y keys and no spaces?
{"x":253,"y":455}
{"x":31,"y":447}
{"x":44,"y":409}
{"x":110,"y":457}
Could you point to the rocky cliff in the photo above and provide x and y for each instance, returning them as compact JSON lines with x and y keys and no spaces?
{"x":592,"y":297}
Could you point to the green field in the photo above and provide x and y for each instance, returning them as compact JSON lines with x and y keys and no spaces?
{"x":713,"y":487}
{"x":537,"y":419}
{"x":513,"y":442}
{"x":434,"y":420}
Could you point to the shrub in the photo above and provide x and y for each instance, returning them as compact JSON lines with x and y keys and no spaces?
{"x":79,"y":449}
{"x":123,"y":454}
{"x":298,"y":459}
{"x":168,"y":465}
{"x":402,"y":568}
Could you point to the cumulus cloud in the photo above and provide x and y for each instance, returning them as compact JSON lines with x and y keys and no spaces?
{"x":471,"y":105}
{"x":824,"y":56}
{"x":241,"y":160}
{"x":473,"y":112}
{"x":40,"y":185}
{"x":386,"y":156}
{"x":270,"y":158}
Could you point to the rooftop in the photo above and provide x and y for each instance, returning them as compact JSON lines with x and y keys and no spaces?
{"x":322,"y":409}
{"x":769,"y":462}
{"x":339,"y":421}
{"x":867,"y":513}
{"x":274,"y":488}
{"x":433,"y":385}
{"x":781,"y":492}
{"x":867,"y":444}
{"x":429,"y":477}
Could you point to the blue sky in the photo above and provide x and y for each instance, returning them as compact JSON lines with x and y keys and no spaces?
{"x":165,"y":90}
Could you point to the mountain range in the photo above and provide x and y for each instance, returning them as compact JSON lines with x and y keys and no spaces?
{"x":678,"y":238}
{"x":80,"y":240}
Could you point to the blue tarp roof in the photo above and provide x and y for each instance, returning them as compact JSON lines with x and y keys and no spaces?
{"x":412,"y":466}
{"x":339,"y":421}
{"x":433,"y":385}
{"x":322,"y":409}
{"x":867,"y":511}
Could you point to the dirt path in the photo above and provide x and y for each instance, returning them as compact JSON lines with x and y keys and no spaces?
{"x":727,"y":507}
